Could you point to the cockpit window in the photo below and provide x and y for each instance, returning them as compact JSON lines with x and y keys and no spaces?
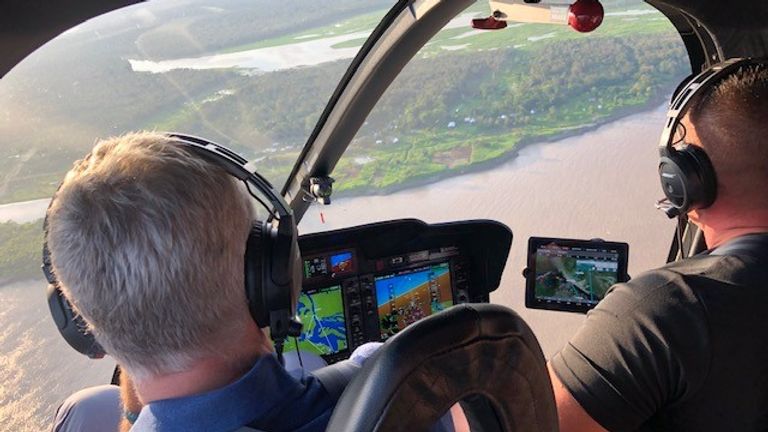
{"x":235,"y":72}
{"x":548,"y":130}
{"x":251,"y":75}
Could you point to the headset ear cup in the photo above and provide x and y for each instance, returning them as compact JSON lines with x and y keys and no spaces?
{"x":673,"y":182}
{"x":71,"y":326}
{"x":705,"y":172}
{"x":254,"y":275}
{"x":688,"y":179}
{"x":298,"y":277}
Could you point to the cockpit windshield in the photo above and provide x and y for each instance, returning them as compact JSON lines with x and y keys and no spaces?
{"x":547,"y":130}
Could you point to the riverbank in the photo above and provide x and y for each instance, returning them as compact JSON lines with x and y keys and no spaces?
{"x":32,"y":210}
{"x":24,"y":211}
{"x":657,"y":103}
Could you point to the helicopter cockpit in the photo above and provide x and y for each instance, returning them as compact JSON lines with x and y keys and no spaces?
{"x":409,"y":142}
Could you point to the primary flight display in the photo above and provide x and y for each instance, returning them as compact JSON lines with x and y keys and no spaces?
{"x":406,"y":297}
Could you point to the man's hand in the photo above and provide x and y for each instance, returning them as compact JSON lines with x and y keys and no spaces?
{"x":570,"y":415}
{"x":129,"y":399}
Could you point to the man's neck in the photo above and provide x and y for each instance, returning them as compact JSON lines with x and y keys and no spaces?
{"x":717,"y":238}
{"x":209,"y":373}
{"x":720,"y":226}
{"x":204,"y":376}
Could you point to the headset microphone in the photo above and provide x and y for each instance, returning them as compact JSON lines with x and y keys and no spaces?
{"x":666,"y":206}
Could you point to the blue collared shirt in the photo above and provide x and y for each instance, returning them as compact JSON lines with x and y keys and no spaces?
{"x":267,"y":397}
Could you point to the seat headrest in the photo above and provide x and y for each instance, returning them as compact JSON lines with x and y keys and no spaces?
{"x":467,"y":350}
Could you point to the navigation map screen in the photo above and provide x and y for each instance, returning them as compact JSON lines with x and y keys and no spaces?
{"x":407,"y":296}
{"x":571,"y":274}
{"x":322,"y":313}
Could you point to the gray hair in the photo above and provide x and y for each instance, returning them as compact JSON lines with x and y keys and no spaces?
{"x":147,"y":240}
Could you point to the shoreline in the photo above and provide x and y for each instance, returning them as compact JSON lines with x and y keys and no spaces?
{"x":11,"y":281}
{"x":467,"y":169}
{"x":490,"y":164}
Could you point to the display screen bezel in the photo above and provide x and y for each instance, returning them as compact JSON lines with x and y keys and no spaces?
{"x":535,"y":243}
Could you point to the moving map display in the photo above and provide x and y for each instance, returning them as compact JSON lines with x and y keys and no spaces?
{"x":405,"y":297}
{"x":573,"y":274}
{"x":562,"y":276}
{"x":322,"y":313}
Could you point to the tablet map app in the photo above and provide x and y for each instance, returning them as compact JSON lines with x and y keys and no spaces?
{"x":568,"y":277}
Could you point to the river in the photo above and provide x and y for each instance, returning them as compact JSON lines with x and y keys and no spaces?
{"x":26,"y":211}
{"x":600,"y":184}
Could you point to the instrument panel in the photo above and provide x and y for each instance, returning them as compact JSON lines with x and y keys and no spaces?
{"x":367,"y":283}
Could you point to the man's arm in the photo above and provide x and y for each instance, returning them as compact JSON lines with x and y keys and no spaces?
{"x":570,"y":415}
{"x":642,"y":349}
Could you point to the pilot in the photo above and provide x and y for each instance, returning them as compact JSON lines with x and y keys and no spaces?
{"x":147,"y":241}
{"x":684,"y":347}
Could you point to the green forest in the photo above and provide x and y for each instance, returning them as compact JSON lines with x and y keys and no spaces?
{"x":20,"y":251}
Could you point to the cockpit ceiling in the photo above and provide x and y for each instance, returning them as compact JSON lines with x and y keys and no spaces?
{"x":26,"y":25}
{"x":739,"y":28}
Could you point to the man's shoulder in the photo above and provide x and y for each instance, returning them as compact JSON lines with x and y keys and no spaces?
{"x":679,"y":274}
{"x":694,"y":275}
{"x":657,"y":292}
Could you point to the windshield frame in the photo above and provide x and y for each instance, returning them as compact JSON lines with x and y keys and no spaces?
{"x":403,"y":31}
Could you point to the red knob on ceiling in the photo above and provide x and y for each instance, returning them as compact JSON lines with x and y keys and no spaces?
{"x":585,"y":15}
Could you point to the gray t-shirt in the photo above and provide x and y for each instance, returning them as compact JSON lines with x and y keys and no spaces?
{"x":682,"y":348}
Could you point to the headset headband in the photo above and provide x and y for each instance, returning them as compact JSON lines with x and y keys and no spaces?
{"x":238,"y":167}
{"x":683,"y":99}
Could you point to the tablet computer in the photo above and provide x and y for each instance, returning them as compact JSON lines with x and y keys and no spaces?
{"x":572,"y":275}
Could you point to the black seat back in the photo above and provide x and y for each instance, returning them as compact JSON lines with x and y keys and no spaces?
{"x":480,"y":349}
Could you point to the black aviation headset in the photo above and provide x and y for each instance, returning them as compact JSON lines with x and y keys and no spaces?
{"x":271,"y":248}
{"x":687,"y":176}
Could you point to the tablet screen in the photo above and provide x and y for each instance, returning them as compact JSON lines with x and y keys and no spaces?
{"x":572,"y":275}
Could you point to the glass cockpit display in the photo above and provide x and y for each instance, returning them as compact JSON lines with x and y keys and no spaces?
{"x":329,"y":265}
{"x":324,"y":330}
{"x":405,"y":297}
{"x":572,"y":275}
{"x":365,"y":284}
